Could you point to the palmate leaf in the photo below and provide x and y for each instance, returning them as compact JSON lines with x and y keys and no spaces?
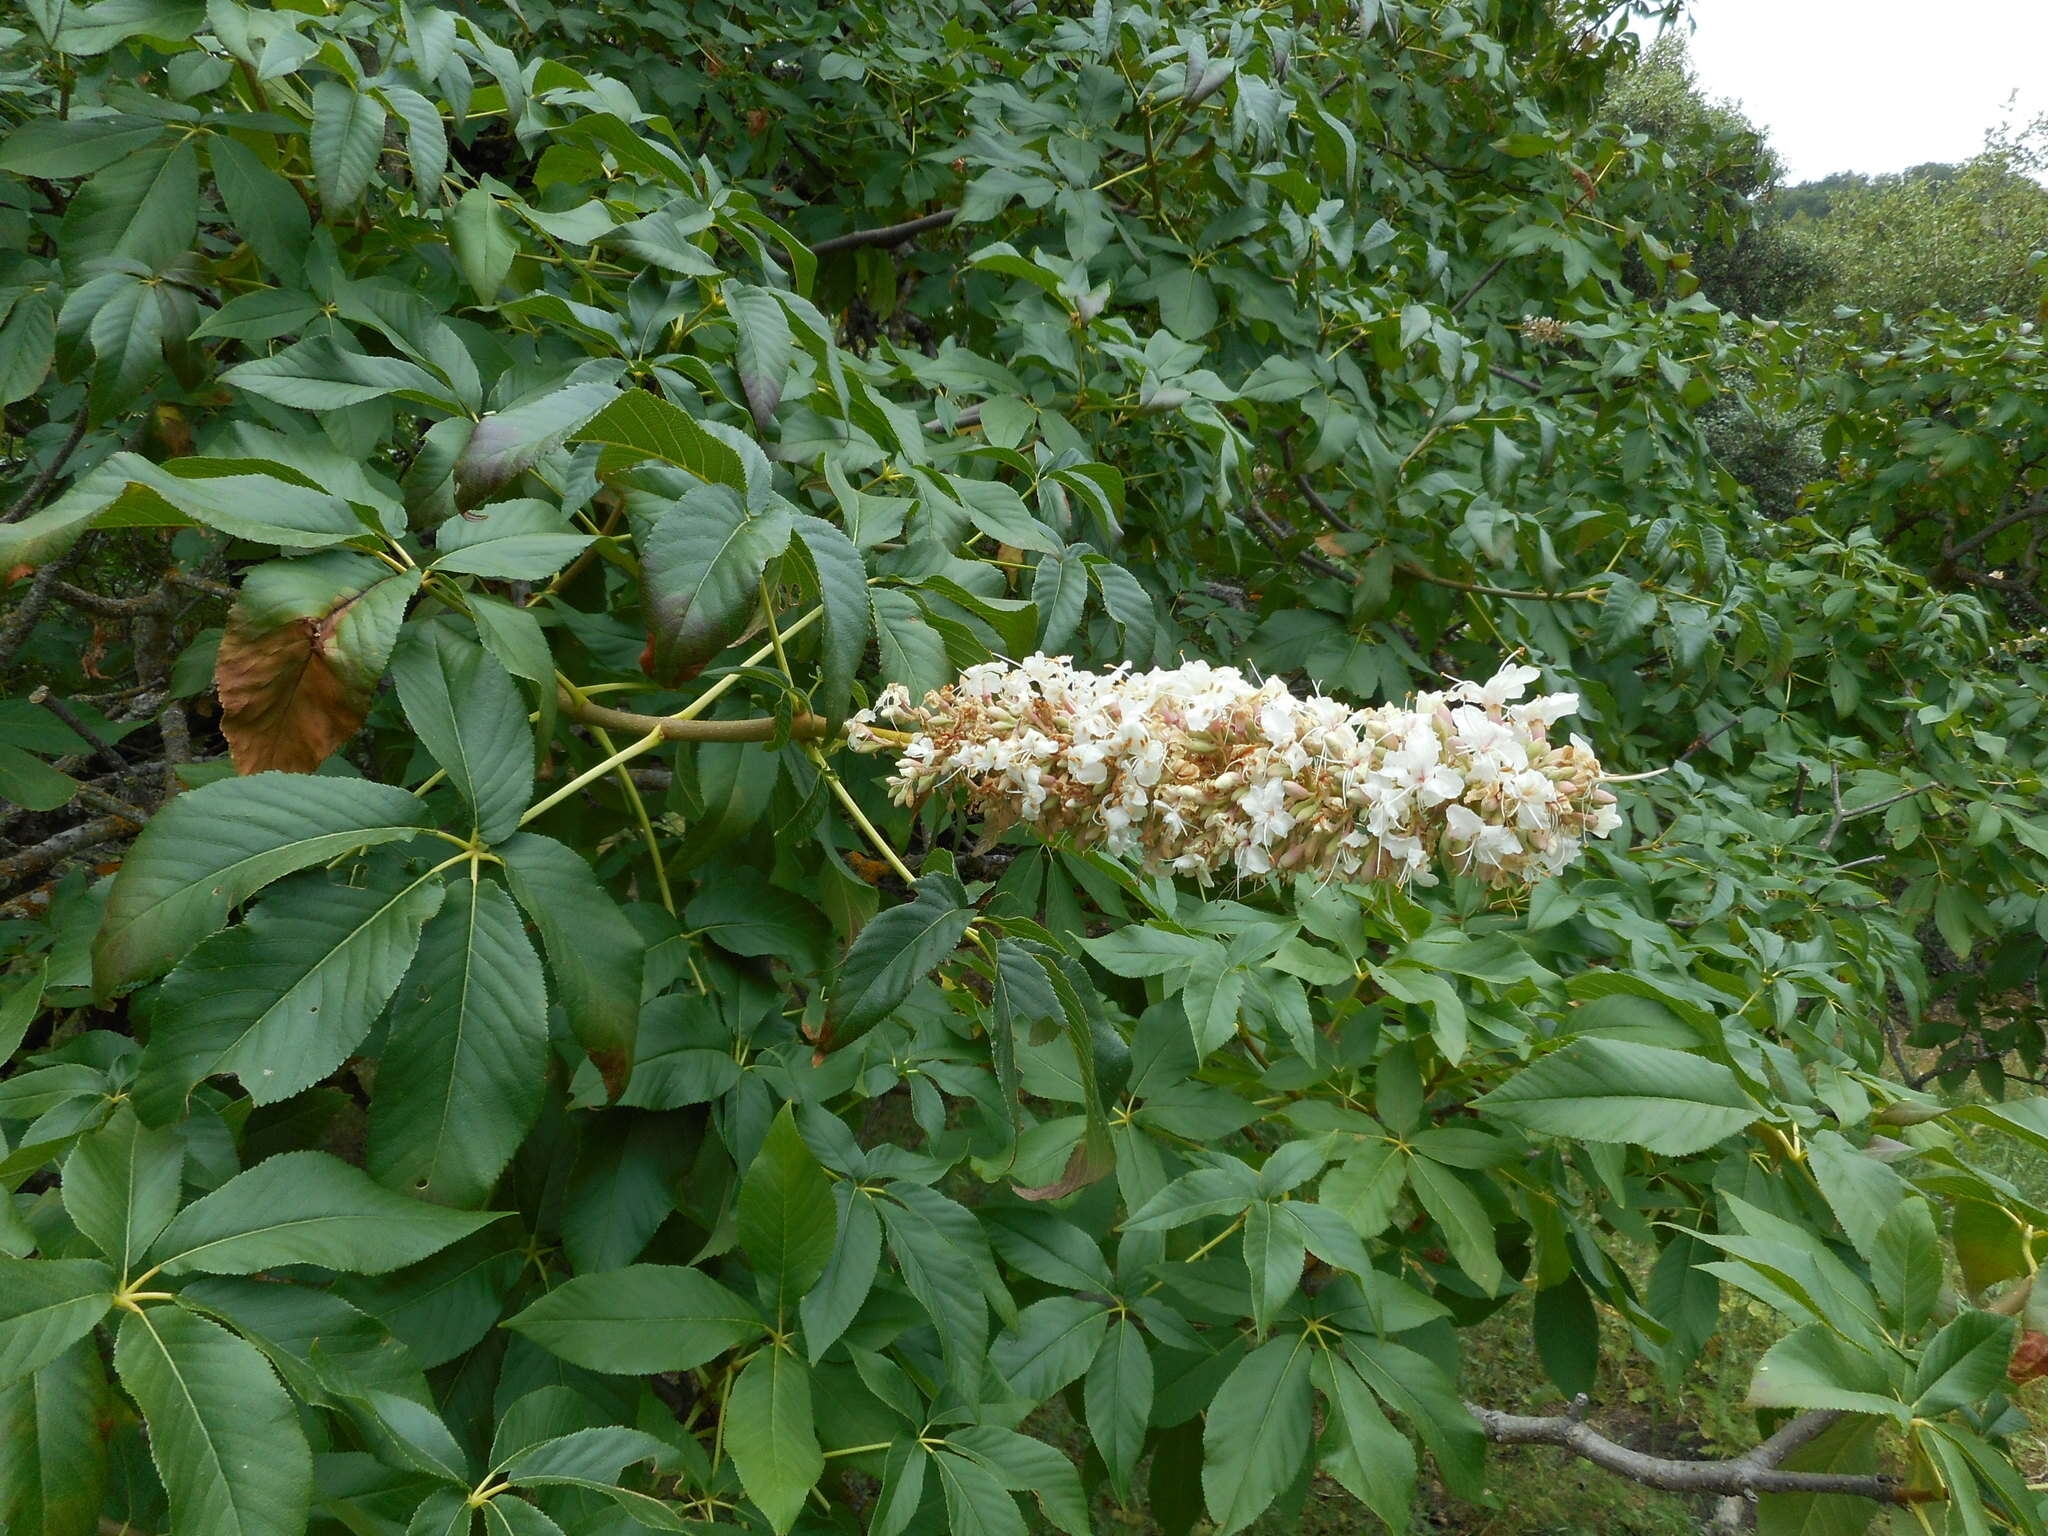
{"x":224,"y":1436}
{"x":644,"y":425}
{"x":507,"y":443}
{"x":283,"y":997}
{"x":348,"y":133}
{"x":121,"y":1187}
{"x":770,"y":1435}
{"x":785,"y":1217}
{"x":220,"y":844}
{"x":519,"y":540}
{"x":1256,"y":1434}
{"x":1612,"y":1090}
{"x":646,"y":1317}
{"x":892,"y":954}
{"x":308,"y":1208}
{"x":304,"y":646}
{"x":53,"y":1458}
{"x":465,"y":1061}
{"x":843,"y":593}
{"x":470,"y":716}
{"x":766,"y":347}
{"x":702,"y":553}
{"x":45,"y":1306}
{"x":593,"y":953}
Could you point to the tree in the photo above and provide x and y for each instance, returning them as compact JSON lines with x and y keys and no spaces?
{"x":469,"y":1099}
{"x":1954,"y":237}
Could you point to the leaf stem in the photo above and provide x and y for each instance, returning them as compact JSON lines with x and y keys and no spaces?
{"x":853,"y":810}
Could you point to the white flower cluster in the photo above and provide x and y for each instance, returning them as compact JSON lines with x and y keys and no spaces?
{"x":1201,"y":771}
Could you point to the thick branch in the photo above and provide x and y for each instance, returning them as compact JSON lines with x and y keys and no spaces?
{"x":1754,"y":1472}
{"x":889,"y":234}
{"x":763,"y":728}
{"x":1991,"y":531}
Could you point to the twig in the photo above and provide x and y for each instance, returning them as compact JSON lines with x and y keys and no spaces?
{"x":25,"y":503}
{"x":888,"y":234}
{"x":19,"y":867}
{"x":78,"y":727}
{"x":1701,"y":743}
{"x":21,"y":623}
{"x":1835,"y":793}
{"x":1754,"y":1472}
{"x":971,"y":417}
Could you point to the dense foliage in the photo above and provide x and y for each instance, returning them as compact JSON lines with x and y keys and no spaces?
{"x":458,"y":1099}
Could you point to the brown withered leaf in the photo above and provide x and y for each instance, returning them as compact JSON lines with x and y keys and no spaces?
{"x":304,"y":646}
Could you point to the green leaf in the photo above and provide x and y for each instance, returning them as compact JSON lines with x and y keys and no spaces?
{"x":515,"y":637}
{"x":53,"y":1457}
{"x":222,"y":1432}
{"x":1373,"y":1460}
{"x":308,"y":1208}
{"x":640,"y":1319}
{"x":1814,"y":1367}
{"x":977,"y":1504}
{"x":702,"y":554}
{"x":1612,"y":1090}
{"x":1962,"y":1364}
{"x":267,"y":211}
{"x":128,"y":347}
{"x":31,"y":783}
{"x":464,"y":1065}
{"x":830,"y":1305}
{"x":1256,"y":1433}
{"x":1059,"y":591}
{"x":469,"y":715}
{"x":765,"y":347}
{"x":1848,"y":1446}
{"x":593,"y":1460}
{"x":347,"y":137}
{"x":593,"y":952}
{"x":506,"y":444}
{"x":53,"y":147}
{"x":893,"y":953}
{"x":843,"y":593}
{"x":785,"y":1217}
{"x":283,"y":997}
{"x":1025,"y":1465}
{"x":1052,"y":1342}
{"x":912,"y":652}
{"x":121,"y":1186}
{"x":1118,"y":1400}
{"x":943,"y":1257}
{"x":1567,"y":1333}
{"x":135,"y":216}
{"x":45,"y":1306}
{"x":509,"y":541}
{"x":770,"y":1435}
{"x":1906,"y":1264}
{"x":27,"y":347}
{"x":1467,"y":1229}
{"x":214,"y":847}
{"x":646,"y":425}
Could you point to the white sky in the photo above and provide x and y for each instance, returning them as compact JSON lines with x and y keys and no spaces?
{"x":1873,"y":85}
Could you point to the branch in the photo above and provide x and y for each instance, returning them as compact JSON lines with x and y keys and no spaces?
{"x":763,"y":728}
{"x":26,"y":502}
{"x":17,"y":868}
{"x":1991,"y":531}
{"x":890,"y":234}
{"x":1754,"y":1472}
